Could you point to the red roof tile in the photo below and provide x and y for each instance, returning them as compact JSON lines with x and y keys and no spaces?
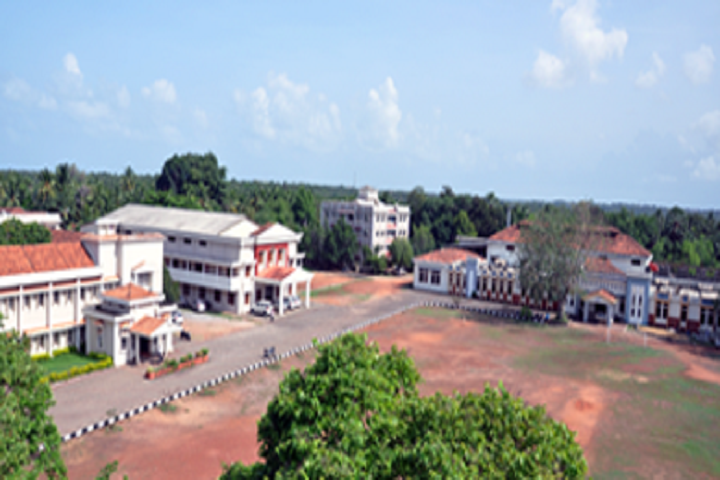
{"x":13,"y":210}
{"x":46,"y":257}
{"x":129,"y":293}
{"x":147,"y":325}
{"x":605,"y":239}
{"x":64,"y":236}
{"x":448,"y":255}
{"x":601,"y":294}
{"x":601,"y":265}
{"x":276,"y":273}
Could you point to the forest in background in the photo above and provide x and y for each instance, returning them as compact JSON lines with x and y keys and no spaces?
{"x":675,"y":236}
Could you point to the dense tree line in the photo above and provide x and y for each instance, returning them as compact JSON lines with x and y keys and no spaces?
{"x":200,"y":182}
{"x":14,"y":232}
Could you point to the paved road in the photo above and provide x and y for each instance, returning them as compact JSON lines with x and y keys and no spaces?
{"x":84,"y":400}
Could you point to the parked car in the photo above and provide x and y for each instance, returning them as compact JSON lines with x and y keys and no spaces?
{"x":292,"y":302}
{"x":198,"y":305}
{"x":262,"y":308}
{"x":177,"y":317}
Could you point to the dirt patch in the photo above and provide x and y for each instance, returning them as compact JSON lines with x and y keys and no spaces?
{"x":362,"y":289}
{"x":326,"y":279}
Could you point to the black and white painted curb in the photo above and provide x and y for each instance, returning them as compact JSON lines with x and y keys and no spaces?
{"x":269,"y":361}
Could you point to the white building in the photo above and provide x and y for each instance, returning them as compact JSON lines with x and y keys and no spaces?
{"x":46,"y":289}
{"x":46,"y":219}
{"x":443,"y":271}
{"x":223,"y":259}
{"x":375,"y":223}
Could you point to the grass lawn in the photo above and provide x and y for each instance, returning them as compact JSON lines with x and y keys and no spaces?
{"x":64,"y":362}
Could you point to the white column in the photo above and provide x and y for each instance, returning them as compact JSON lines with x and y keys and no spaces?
{"x":137,"y":348}
{"x":20,"y":300}
{"x":88,"y":335}
{"x":610,"y":314}
{"x":586,"y":311}
{"x":307,"y":294}
{"x":77,"y":300}
{"x":281,"y":307}
{"x":48,"y":318}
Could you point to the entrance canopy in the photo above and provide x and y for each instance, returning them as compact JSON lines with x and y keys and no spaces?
{"x":151,"y":327}
{"x":283,"y":276}
{"x":606,"y":302}
{"x":600,"y":296}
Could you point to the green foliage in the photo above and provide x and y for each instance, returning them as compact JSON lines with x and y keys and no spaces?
{"x":24,"y":401}
{"x":340,"y":246}
{"x":101,"y":362}
{"x":14,"y":232}
{"x":422,"y":240}
{"x":373,"y":263}
{"x":356,"y":413}
{"x":401,"y":253}
{"x":463,"y":225}
{"x":171,"y":288}
{"x":107,"y":471}
{"x":195,"y":176}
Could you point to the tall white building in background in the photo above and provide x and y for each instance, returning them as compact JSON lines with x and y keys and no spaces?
{"x":376,"y":224}
{"x":47,"y":219}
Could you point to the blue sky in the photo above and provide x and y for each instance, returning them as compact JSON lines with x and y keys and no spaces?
{"x":570,"y":99}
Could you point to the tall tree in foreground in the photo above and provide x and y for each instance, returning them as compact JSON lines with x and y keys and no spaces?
{"x":356,"y":413}
{"x":341,"y":246}
{"x":24,"y":423}
{"x":401,"y":253}
{"x":553,"y":249}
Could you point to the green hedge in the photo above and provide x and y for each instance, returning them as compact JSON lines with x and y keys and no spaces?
{"x":103,"y":362}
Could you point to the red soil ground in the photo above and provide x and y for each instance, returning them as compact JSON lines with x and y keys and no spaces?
{"x":451,"y":355}
{"x":363,"y":289}
{"x":207,"y":329}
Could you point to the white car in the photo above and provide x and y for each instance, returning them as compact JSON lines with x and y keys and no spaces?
{"x":262,"y":308}
{"x":292,"y":302}
{"x":177,"y":317}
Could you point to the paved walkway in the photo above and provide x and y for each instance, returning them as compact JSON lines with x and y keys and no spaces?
{"x":84,"y":400}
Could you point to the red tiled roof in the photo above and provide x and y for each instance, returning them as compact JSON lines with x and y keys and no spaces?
{"x":262,"y":229}
{"x":276,"y":273}
{"x":147,"y":325}
{"x":64,"y":236}
{"x":603,"y":294}
{"x":601,"y":265}
{"x":46,"y":257}
{"x":605,"y":239}
{"x":13,"y":210}
{"x":129,"y":293}
{"x":448,"y":255}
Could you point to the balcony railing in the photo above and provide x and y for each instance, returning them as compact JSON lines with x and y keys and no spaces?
{"x":208,"y":280}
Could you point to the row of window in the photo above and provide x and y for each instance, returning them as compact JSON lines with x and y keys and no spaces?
{"x":276,"y":256}
{"x":187,"y":241}
{"x":208,"y":269}
{"x":429,"y":276}
{"x":38,"y":299}
{"x":215,"y":295}
{"x":706,"y":313}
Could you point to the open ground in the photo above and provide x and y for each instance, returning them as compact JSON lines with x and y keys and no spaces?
{"x":638,"y":411}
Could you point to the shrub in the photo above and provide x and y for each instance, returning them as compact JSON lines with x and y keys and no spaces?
{"x":73,"y":349}
{"x":171,"y":363}
{"x":186,"y":358}
{"x":41,"y":357}
{"x":525,"y":313}
{"x":204,"y":351}
{"x":60,"y":351}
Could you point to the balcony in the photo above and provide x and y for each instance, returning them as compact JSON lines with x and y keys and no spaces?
{"x":207,"y":280}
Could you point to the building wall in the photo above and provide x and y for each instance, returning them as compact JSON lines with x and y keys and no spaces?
{"x":149,"y":254}
{"x":442,"y":287}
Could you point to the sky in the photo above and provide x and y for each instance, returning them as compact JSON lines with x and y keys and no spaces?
{"x":559,"y":99}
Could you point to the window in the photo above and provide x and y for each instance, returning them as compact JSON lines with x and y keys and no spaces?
{"x":661,"y":310}
{"x":68,"y":296}
{"x":231,"y":299}
{"x":248,"y":271}
{"x":247,"y":299}
{"x":484,"y":284}
{"x":41,"y":299}
{"x":435,"y":277}
{"x":27,"y":302}
{"x":217,"y":295}
{"x":186,"y":289}
{"x":171,"y":239}
{"x":203,"y":243}
{"x":123,"y":343}
{"x":198,"y":267}
{"x":423,"y":275}
{"x":201,"y":293}
{"x":82,"y":294}
{"x":56,"y":339}
{"x":510,"y":248}
{"x":510,"y":287}
{"x":100,"y":337}
{"x":635,"y":262}
{"x":187,"y":241}
{"x":683,"y":313}
{"x":706,"y":315}
{"x":493,"y":285}
{"x":176,"y":263}
{"x":41,"y":341}
{"x":11,"y":304}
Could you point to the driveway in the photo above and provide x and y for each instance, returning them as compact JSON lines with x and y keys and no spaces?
{"x":84,"y":400}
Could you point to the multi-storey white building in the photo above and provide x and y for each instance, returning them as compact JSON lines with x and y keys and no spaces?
{"x":224,"y":259}
{"x":47,"y":289}
{"x":46,"y":219}
{"x":375,"y":223}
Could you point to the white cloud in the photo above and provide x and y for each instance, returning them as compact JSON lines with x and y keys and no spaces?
{"x":89,"y":110}
{"x":160,"y":91}
{"x":651,"y":77}
{"x":526,"y":158}
{"x":123,"y":97}
{"x":580,"y":27}
{"x":707,"y":169}
{"x":71,"y":65}
{"x":699,"y":64}
{"x":288,"y":112}
{"x":18,"y":90}
{"x":659,"y":64}
{"x":383,"y":117}
{"x":549,"y":71}
{"x":709,"y":127}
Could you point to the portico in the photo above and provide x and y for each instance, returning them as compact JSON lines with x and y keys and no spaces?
{"x":276,"y":283}
{"x":599,"y":306}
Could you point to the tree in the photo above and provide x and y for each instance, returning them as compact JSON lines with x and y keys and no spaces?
{"x":304,"y":208}
{"x":422,"y":240}
{"x":357,"y":413}
{"x":552,"y":252}
{"x":341,"y":246}
{"x":171,"y":288}
{"x":30,"y":442}
{"x":14,"y":232}
{"x":195,"y":175}
{"x":401,"y":253}
{"x":463,"y":225}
